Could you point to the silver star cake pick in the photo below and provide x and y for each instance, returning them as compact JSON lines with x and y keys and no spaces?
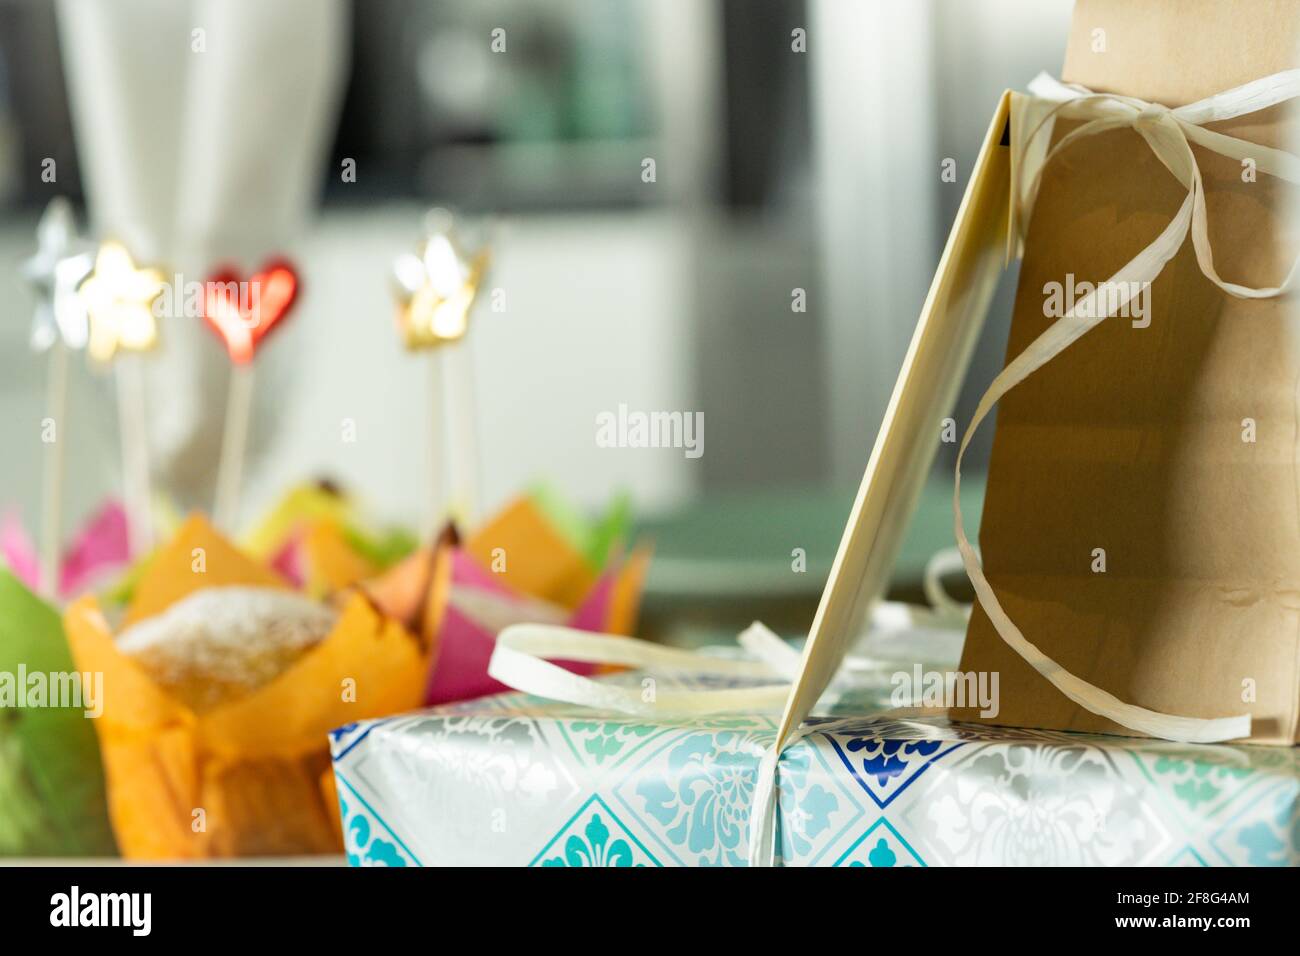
{"x":62,"y":260}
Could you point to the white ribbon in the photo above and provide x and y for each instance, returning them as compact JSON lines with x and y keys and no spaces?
{"x":522,"y":657}
{"x":1169,"y":133}
{"x":519,"y":661}
{"x":519,"y":658}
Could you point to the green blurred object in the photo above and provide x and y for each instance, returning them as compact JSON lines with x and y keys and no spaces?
{"x":726,"y":561}
{"x":382,"y":548}
{"x":52,"y":800}
{"x":595,"y":539}
{"x":119,"y":593}
{"x":742,"y":545}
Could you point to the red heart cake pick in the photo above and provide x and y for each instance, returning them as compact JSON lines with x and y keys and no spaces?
{"x":243,"y":312}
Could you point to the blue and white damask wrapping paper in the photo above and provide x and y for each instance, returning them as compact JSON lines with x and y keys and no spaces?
{"x":511,"y":780}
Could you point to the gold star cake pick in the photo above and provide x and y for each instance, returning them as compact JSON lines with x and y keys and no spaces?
{"x":437,"y":288}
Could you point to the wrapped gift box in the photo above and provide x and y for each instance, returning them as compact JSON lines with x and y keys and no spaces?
{"x":511,"y":780}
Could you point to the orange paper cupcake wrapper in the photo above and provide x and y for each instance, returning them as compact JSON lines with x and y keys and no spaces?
{"x":245,"y":777}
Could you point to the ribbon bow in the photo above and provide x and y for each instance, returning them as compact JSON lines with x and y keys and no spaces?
{"x":1169,"y":133}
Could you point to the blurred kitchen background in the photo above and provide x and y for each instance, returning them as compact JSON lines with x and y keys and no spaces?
{"x":776,"y":170}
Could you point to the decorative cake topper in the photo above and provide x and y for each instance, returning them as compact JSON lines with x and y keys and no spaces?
{"x":118,"y":298}
{"x":242,"y":313}
{"x":437,"y":286}
{"x":61,"y":261}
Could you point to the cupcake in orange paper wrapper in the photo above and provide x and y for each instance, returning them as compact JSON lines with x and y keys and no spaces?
{"x":319,"y":538}
{"x":530,"y":563}
{"x":220,"y":686}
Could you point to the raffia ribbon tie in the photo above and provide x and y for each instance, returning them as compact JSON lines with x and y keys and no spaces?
{"x":1169,"y":133}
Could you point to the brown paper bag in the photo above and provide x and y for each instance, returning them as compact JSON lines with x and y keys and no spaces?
{"x":1142,"y":518}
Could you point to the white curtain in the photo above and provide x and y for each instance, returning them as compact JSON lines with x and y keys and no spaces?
{"x":203,"y":129}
